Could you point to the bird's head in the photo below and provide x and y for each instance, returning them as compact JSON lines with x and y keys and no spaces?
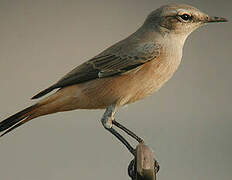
{"x":180,"y":18}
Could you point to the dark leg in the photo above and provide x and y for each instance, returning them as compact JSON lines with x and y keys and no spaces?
{"x":123,"y":140}
{"x":108,"y":121}
{"x":129,"y":132}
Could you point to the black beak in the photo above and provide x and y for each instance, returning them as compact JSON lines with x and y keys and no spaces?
{"x":215,"y":19}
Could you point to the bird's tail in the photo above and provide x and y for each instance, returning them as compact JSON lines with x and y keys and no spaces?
{"x":56,"y":102}
{"x":18,"y":119}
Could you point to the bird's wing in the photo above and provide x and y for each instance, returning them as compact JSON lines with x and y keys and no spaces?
{"x":110,"y":62}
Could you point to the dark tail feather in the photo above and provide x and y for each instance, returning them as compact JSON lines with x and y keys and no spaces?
{"x":16,"y":118}
{"x":42,"y":93}
{"x":15,"y":126}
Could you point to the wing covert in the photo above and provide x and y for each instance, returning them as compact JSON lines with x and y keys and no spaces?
{"x":113,"y":61}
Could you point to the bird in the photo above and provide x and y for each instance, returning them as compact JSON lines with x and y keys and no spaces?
{"x":128,"y":71}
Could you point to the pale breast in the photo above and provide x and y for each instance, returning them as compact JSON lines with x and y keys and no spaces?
{"x":152,"y":76}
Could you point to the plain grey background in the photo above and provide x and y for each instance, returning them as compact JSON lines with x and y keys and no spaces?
{"x":187,"y":123}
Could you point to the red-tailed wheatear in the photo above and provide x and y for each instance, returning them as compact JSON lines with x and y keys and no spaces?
{"x":126,"y":72}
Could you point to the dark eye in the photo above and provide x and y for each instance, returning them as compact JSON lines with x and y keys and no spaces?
{"x":185,"y":17}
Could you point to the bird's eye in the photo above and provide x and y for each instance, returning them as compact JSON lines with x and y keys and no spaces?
{"x":185,"y":17}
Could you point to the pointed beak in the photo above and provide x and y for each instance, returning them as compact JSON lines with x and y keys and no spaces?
{"x":215,"y":19}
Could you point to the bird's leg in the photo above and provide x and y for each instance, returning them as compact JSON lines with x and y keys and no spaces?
{"x":107,"y":120}
{"x":129,"y":132}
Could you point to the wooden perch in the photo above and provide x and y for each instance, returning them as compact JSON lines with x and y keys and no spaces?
{"x":144,"y":166}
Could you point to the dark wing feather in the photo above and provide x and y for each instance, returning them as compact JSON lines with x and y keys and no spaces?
{"x":107,"y":64}
{"x":82,"y":73}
